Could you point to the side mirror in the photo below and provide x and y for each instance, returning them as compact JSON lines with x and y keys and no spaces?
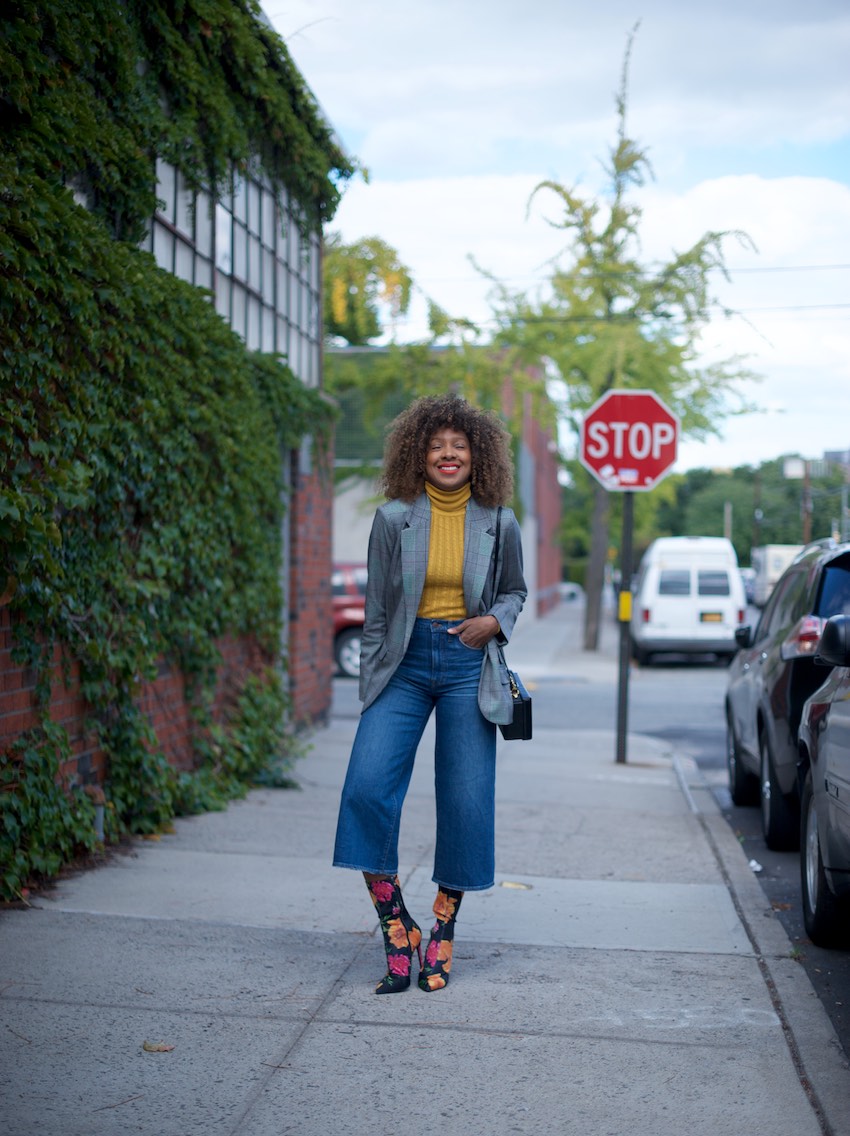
{"x":744,"y":636}
{"x":833,"y":650}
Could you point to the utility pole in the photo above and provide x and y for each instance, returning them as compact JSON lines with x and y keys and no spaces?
{"x":807,"y":502}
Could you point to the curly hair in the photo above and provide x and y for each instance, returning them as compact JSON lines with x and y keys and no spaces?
{"x":403,"y":475}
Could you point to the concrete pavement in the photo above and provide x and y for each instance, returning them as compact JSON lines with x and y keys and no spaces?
{"x":626,"y":974}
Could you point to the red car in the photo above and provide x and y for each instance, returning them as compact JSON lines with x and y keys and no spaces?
{"x":348,"y":588}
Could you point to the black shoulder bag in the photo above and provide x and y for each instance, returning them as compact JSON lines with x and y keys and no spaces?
{"x":520,"y":728}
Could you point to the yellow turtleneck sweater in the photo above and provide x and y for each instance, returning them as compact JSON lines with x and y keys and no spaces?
{"x":442,"y":596}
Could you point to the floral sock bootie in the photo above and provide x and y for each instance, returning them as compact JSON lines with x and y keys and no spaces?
{"x":434,"y":975}
{"x":401,"y":935}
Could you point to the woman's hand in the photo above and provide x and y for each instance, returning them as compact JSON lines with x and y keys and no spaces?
{"x":476,"y":631}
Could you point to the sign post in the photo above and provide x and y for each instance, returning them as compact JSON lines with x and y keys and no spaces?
{"x":628,"y":442}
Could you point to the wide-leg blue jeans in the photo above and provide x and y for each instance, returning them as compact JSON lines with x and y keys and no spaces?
{"x":437,"y":673}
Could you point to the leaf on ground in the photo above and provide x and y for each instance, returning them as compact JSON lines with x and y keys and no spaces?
{"x":156,"y":1047}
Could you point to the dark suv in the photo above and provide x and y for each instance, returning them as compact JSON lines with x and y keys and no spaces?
{"x":770,"y":679}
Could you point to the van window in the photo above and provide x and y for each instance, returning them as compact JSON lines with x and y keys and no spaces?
{"x":713,"y":583}
{"x":674,"y":582}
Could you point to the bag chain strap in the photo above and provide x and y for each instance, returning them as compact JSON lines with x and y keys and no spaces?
{"x":514,"y":687}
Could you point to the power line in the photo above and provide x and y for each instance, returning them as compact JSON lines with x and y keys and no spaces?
{"x":627,"y":317}
{"x":637,"y":275}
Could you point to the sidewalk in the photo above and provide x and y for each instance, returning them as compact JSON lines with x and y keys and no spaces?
{"x":626,"y":975}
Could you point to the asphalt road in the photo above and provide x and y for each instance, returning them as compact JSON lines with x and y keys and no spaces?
{"x":682,"y":701}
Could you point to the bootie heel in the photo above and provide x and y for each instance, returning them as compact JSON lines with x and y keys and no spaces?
{"x":401,"y":934}
{"x":434,"y":975}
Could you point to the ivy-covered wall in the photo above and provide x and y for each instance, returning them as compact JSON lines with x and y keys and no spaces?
{"x":142,"y":447}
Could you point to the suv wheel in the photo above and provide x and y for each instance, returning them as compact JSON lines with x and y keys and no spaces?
{"x":743,"y":787}
{"x":823,"y":914}
{"x":778,"y":822}
{"x":347,"y":652}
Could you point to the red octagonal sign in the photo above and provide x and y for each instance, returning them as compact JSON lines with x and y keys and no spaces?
{"x":629,"y":439}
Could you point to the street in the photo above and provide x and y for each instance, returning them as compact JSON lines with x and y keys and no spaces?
{"x":681,"y":702}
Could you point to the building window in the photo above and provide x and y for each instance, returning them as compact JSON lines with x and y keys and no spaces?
{"x":248,"y":251}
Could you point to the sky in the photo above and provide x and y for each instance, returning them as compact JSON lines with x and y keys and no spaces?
{"x":458,"y":109}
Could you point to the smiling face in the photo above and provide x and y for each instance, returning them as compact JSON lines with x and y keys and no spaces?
{"x":448,"y":459}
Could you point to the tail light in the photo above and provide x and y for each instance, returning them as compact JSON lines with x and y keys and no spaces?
{"x":645,"y":615}
{"x":741,"y":615}
{"x":803,"y":640}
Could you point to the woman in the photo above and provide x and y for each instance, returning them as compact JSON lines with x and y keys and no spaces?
{"x":440,"y":599}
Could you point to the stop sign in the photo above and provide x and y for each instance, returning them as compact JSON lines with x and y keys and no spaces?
{"x":628,"y":439}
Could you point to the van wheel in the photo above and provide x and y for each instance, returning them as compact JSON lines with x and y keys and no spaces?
{"x":779,"y":824}
{"x":824,"y":915}
{"x":743,"y":787}
{"x":640,"y":654}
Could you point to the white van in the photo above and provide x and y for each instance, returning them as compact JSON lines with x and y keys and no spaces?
{"x":688,"y":598}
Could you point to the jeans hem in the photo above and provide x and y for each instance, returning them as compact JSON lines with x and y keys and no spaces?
{"x":371,"y":871}
{"x":463,"y":887}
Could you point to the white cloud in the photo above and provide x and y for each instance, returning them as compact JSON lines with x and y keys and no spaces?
{"x":460,"y":107}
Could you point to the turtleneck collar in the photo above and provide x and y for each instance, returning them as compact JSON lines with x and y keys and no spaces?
{"x":448,"y":500}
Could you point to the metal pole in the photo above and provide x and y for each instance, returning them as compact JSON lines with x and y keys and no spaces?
{"x":624,"y":614}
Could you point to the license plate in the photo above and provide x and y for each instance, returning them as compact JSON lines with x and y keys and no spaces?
{"x":710,"y":617}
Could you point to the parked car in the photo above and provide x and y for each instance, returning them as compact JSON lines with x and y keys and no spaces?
{"x":688,"y":598}
{"x":824,"y":751}
{"x":348,"y":588}
{"x":748,"y":575}
{"x":571,"y":592}
{"x":770,"y":679}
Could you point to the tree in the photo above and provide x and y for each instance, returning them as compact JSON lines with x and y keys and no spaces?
{"x":359,"y":280}
{"x":610,"y":321}
{"x":365,"y":286}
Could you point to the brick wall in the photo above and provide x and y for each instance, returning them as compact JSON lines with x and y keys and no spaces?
{"x":67,"y":707}
{"x":163,"y":700}
{"x":548,"y":496}
{"x":310,"y":631}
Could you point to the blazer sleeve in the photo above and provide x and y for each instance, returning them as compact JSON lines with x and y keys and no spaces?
{"x":511,"y":587}
{"x":382,"y":543}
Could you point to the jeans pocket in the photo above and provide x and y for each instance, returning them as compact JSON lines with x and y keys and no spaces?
{"x":467,"y":647}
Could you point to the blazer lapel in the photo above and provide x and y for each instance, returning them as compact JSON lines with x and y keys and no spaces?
{"x":414,"y":555}
{"x":479,"y":538}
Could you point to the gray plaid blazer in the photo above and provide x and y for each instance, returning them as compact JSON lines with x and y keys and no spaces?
{"x":398,"y":561}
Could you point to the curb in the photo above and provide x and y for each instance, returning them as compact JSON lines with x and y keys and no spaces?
{"x":815,"y":1050}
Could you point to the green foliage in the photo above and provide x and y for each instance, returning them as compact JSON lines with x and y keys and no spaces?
{"x":93,"y":90}
{"x":360,"y":280}
{"x":253,"y":746}
{"x":374,"y":385}
{"x":43,"y":822}
{"x":141,"y":445}
{"x":766,"y":506}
